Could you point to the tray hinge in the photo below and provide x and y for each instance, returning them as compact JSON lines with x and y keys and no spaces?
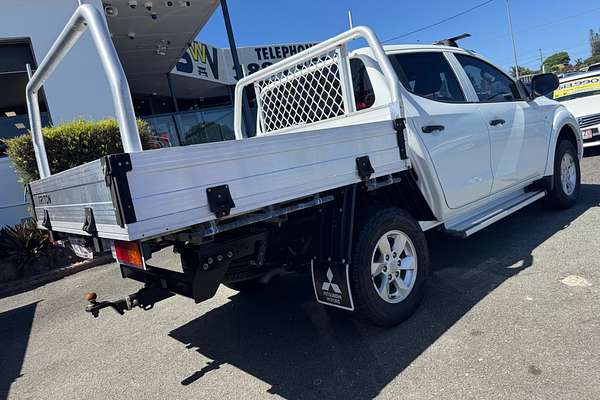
{"x":89,"y":224}
{"x":364,"y":167}
{"x":219,"y":200}
{"x":400,"y":127}
{"x":116,"y":167}
{"x":29,"y":195}
{"x":46,"y":221}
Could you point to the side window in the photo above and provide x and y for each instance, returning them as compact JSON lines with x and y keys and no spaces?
{"x":428,"y":75}
{"x":363,"y":90}
{"x":491,"y":84}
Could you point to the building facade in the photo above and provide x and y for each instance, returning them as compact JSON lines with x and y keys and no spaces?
{"x":182,"y":87}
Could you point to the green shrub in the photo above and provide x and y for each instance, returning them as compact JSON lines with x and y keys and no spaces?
{"x":69,"y":145}
{"x":24,"y":244}
{"x":26,"y":251}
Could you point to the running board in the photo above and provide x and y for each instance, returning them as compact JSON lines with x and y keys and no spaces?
{"x":484,"y":219}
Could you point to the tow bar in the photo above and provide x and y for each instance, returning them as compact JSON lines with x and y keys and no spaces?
{"x":144,"y":298}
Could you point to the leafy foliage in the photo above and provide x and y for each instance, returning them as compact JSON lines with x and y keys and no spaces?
{"x":593,"y":59}
{"x":69,"y":145}
{"x":23,"y":244}
{"x":579,"y":63}
{"x":554,"y":62}
{"x":595,"y":42}
{"x":523,"y":71}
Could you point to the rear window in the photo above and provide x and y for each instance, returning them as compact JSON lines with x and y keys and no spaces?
{"x":428,"y":75}
{"x":364,"y":95}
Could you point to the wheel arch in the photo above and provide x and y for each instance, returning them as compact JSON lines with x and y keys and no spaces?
{"x":564,"y":127}
{"x":404,"y":194}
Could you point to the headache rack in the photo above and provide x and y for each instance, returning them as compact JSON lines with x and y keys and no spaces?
{"x":310,"y":140}
{"x":312,"y":86}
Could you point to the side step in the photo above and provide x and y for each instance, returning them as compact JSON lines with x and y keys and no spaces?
{"x":467,"y":227}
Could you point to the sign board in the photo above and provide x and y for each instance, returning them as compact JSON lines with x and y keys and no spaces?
{"x":203,"y":61}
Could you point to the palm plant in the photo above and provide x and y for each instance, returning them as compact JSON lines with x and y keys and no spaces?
{"x":23,"y":244}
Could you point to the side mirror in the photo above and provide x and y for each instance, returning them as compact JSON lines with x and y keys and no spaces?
{"x":543,"y":84}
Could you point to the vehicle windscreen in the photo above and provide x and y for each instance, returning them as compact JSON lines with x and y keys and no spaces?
{"x":577,"y":88}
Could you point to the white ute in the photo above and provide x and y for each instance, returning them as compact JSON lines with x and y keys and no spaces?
{"x":354,"y":157}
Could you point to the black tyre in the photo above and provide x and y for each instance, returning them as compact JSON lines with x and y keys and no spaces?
{"x":567,"y":176}
{"x":389,"y":268}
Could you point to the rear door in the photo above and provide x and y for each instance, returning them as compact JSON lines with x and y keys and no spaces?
{"x":449,"y":126}
{"x":518,"y":129}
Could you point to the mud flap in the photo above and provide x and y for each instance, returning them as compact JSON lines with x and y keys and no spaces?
{"x":331,"y":281}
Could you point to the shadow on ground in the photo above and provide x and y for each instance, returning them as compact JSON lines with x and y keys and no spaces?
{"x":15,"y":328}
{"x":283,"y":338}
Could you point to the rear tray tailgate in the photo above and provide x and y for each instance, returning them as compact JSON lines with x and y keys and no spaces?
{"x":63,"y":201}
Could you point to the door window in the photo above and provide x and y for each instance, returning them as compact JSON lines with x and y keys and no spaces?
{"x":428,"y":75}
{"x":491,"y":84}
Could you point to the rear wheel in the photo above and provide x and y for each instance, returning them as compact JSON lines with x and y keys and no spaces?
{"x":567,"y":176}
{"x":389,"y":268}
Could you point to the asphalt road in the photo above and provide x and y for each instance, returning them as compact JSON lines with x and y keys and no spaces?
{"x":512,"y":313}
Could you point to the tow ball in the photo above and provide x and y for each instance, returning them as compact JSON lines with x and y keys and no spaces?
{"x":144,"y":298}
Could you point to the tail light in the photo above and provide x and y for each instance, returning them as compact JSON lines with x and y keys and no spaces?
{"x":129,"y":253}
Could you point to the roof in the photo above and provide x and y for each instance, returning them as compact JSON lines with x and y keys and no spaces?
{"x":579,"y":76}
{"x":139,"y":33}
{"x":399,"y":48}
{"x":408,"y":47}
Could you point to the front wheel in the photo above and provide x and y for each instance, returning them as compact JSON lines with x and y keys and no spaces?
{"x":567,"y":176}
{"x":390,"y":266}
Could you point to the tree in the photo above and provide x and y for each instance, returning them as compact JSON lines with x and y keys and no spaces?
{"x":554,"y":62}
{"x":523,"y":71}
{"x":593,"y":59}
{"x":595,"y":42}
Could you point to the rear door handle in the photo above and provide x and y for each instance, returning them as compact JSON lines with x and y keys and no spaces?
{"x":432,"y":128}
{"x":496,"y":122}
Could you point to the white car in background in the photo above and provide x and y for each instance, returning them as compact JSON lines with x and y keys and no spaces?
{"x":580,"y":94}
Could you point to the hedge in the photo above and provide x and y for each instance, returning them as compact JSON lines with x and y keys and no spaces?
{"x":69,"y":145}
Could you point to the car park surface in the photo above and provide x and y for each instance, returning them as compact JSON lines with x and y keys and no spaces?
{"x":512,"y":312}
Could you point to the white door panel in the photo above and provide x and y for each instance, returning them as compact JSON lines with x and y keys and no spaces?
{"x":519,"y":139}
{"x":448,"y":124}
{"x":518,"y":130}
{"x":460,"y":153}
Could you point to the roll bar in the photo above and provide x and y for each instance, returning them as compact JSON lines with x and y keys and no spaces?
{"x":355,"y":33}
{"x":86,"y":16}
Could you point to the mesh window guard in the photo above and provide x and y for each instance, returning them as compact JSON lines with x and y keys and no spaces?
{"x":309,"y":92}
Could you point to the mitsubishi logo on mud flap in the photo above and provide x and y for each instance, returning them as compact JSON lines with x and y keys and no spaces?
{"x":327,"y":286}
{"x":338,"y":294}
